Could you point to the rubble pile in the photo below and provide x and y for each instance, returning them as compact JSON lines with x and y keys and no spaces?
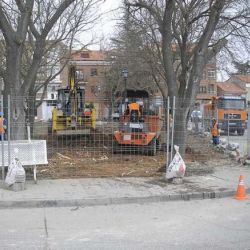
{"x":230,"y":149}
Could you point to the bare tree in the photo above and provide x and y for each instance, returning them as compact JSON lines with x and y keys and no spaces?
{"x":27,"y":26}
{"x":242,"y":68}
{"x":129,"y":50}
{"x":197,"y":31}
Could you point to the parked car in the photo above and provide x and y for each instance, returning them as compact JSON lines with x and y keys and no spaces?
{"x":196,"y":114}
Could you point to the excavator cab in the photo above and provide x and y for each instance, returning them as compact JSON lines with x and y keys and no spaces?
{"x":65,"y":101}
{"x":70,"y":117}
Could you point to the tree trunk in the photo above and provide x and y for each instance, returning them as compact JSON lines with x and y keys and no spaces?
{"x":18,"y":124}
{"x":12,"y":85}
{"x":180,"y":132}
{"x":180,"y":124}
{"x":6,"y":92}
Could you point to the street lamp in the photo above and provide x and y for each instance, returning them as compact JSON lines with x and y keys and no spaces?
{"x":125,"y":77}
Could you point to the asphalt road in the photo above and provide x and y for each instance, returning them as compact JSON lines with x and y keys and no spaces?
{"x":206,"y":224}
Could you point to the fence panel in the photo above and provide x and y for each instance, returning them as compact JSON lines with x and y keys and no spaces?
{"x":231,"y":118}
{"x":112,"y":141}
{"x":107,"y":138}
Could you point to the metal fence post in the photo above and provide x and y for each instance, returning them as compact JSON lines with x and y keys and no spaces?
{"x":28,"y":131}
{"x":8,"y":130}
{"x":248,"y":133}
{"x":2,"y":140}
{"x":167,"y":132}
{"x":173,"y":118}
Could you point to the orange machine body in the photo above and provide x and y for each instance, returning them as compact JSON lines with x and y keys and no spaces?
{"x":139,"y":128}
{"x":229,"y":111}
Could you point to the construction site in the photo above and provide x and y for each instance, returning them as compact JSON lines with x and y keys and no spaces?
{"x":85,"y":158}
{"x":133,"y":136}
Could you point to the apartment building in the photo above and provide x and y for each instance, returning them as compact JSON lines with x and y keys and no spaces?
{"x":44,"y":111}
{"x":91,"y":67}
{"x":208,"y":84}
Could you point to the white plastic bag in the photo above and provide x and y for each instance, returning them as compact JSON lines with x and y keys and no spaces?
{"x":16,"y":173}
{"x":177,"y":167}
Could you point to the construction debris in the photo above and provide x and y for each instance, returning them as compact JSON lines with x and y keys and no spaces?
{"x":91,"y":159}
{"x":63,"y":156}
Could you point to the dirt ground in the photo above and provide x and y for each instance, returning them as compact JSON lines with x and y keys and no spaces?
{"x":92,"y":157}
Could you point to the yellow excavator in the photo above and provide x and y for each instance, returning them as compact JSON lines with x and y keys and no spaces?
{"x":73,"y":116}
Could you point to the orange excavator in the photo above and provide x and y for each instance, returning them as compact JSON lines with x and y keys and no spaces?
{"x":139,"y":127}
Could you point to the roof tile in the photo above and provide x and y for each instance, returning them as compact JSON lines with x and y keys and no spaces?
{"x":243,"y":78}
{"x":230,"y":88}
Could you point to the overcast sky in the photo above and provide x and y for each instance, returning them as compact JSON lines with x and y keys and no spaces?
{"x":104,"y":29}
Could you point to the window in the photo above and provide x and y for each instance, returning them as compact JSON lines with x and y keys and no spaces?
{"x":211,"y":74}
{"x":84,"y":55}
{"x":210,"y":88}
{"x":51,"y":103}
{"x":53,"y":88}
{"x":52,"y":96}
{"x":203,"y":89}
{"x":231,"y":104}
{"x":79,"y":74}
{"x":93,"y":72}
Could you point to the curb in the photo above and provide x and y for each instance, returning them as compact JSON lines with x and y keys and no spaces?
{"x":116,"y":201}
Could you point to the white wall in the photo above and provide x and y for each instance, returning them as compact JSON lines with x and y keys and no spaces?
{"x":248,"y":92}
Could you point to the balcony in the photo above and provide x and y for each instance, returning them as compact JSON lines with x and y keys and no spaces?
{"x":206,"y":96}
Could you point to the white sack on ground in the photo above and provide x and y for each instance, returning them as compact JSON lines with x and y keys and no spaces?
{"x":16,"y":173}
{"x":177,"y":167}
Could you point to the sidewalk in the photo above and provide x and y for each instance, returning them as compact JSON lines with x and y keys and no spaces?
{"x":105,"y":191}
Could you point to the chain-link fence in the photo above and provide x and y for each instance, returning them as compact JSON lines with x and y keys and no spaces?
{"x":225,"y":117}
{"x":123,"y":137}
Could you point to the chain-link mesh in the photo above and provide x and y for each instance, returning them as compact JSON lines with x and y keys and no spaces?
{"x":228,"y":114}
{"x":112,"y":138}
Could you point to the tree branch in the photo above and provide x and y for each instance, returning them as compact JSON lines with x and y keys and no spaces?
{"x":144,"y":5}
{"x":5,"y":25}
{"x":216,"y":48}
{"x":49,"y":25}
{"x":20,"y":5}
{"x":23,"y":22}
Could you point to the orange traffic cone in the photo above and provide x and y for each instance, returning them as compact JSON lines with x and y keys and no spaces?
{"x":241,"y":192}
